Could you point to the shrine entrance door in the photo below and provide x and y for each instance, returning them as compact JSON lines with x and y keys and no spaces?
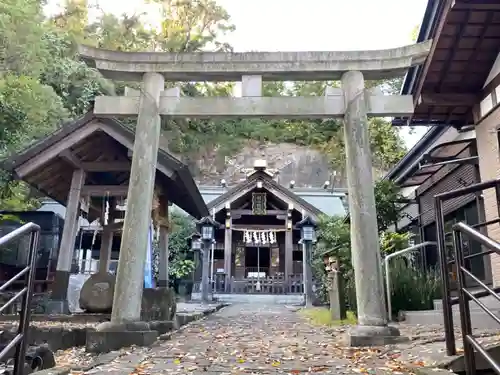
{"x":257,"y":262}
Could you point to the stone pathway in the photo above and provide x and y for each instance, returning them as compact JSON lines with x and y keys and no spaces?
{"x":189,"y":307}
{"x":250,"y":339}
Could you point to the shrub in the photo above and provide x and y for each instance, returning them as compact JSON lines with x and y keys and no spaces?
{"x":413,"y":288}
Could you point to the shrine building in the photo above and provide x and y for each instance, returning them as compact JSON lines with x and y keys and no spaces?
{"x":257,"y":248}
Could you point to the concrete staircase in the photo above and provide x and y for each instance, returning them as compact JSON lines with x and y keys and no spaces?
{"x":479,"y":319}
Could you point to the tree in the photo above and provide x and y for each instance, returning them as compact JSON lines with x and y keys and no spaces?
{"x":412,"y":287}
{"x":22,"y":48}
{"x":181,"y":228}
{"x":29,"y":109}
{"x":42,"y":51}
{"x":335,"y":237}
{"x":73,"y":20}
{"x":189,"y":26}
{"x":389,"y":203}
{"x":192,"y":25}
{"x":180,"y":265}
{"x":72,"y":80}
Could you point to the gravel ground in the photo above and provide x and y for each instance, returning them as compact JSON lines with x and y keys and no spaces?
{"x":258,"y":340}
{"x":74,"y":357}
{"x":77,"y":358}
{"x":262,"y":340}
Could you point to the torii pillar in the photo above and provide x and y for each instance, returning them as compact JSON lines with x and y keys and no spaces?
{"x":365,"y":243}
{"x":130,"y":274}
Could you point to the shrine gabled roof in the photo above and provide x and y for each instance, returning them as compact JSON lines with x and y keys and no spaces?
{"x":93,"y":139}
{"x":270,"y":185}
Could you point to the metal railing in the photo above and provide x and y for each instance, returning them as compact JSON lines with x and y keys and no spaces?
{"x":386,"y":261}
{"x":444,"y":263}
{"x":465,"y":296}
{"x":19,"y":341}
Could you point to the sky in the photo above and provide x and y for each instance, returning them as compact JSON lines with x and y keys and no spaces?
{"x":312,"y":25}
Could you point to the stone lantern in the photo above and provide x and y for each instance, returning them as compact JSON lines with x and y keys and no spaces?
{"x":335,"y":286}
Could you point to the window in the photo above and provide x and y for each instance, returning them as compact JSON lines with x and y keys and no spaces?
{"x":16,"y":252}
{"x":473,"y":247}
{"x":431,"y":256}
{"x":469,"y":215}
{"x":45,"y":246}
{"x":486,"y":105}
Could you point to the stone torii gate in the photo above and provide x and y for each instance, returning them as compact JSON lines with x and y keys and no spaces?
{"x":351,"y":102}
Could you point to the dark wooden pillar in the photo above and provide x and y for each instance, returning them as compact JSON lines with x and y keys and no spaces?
{"x":228,"y":249}
{"x":275,"y":260}
{"x":239,"y":266}
{"x":289,"y":244}
{"x":163,"y":279}
{"x":59,"y":298}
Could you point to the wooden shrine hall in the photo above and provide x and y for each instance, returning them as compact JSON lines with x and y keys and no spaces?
{"x":85,"y":166}
{"x":257,"y":248}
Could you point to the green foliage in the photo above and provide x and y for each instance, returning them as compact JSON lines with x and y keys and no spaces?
{"x":14,"y":196}
{"x":22,"y":49}
{"x":334,"y":233}
{"x":412,"y":288}
{"x":322,"y":317}
{"x":191,"y":25}
{"x":335,"y":241}
{"x":180,"y":265}
{"x":72,"y":80}
{"x":77,"y":84}
{"x":389,"y":201}
{"x":28,"y":110}
{"x":181,"y":228}
{"x":42,"y":82}
{"x":390,"y":242}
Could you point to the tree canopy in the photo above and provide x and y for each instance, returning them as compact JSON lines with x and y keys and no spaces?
{"x":43,"y":83}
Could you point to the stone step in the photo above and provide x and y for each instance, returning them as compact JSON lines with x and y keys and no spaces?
{"x":267,"y":299}
{"x":479,"y":319}
{"x":489,"y":301}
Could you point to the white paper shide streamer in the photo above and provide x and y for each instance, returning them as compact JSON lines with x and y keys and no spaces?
{"x":263,"y":237}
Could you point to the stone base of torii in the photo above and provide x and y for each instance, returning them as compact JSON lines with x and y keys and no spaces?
{"x":352,"y":102}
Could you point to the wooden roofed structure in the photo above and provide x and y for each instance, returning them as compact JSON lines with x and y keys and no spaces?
{"x":466,"y":42}
{"x":101,"y":147}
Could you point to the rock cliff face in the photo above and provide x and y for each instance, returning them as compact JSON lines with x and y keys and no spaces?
{"x":306,"y":166}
